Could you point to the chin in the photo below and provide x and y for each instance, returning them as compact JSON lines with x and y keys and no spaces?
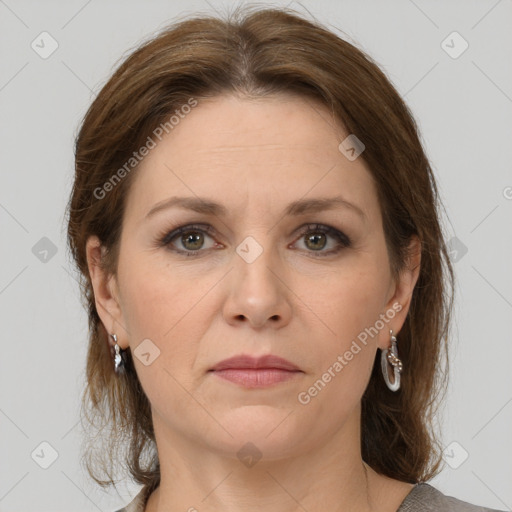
{"x":272,"y":430}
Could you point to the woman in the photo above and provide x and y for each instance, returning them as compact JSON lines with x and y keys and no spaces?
{"x":264,"y":268}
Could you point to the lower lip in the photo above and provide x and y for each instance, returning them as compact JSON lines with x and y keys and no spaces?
{"x":256,"y":378}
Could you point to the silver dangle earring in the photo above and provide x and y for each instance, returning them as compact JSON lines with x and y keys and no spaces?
{"x":119,"y":361}
{"x":390,"y":355}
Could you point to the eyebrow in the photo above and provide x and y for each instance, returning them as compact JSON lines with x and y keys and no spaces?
{"x":299,"y":207}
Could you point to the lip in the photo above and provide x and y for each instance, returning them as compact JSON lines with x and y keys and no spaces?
{"x":256,"y":372}
{"x":247,"y":362}
{"x":256,"y":378}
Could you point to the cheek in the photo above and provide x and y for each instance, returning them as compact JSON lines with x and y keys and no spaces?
{"x":157,"y":299}
{"x":348,"y":310}
{"x":162,"y":307}
{"x":343,"y":361}
{"x":170,"y":309}
{"x":346,"y":302}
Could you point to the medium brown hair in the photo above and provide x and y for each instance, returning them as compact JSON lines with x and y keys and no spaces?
{"x":257,"y":53}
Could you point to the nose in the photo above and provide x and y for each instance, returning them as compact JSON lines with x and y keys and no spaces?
{"x":258,"y":293}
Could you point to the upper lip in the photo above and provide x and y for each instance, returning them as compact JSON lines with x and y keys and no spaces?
{"x":244,"y":361}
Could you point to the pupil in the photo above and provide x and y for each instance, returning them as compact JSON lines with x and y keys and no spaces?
{"x":194,"y":239}
{"x":315,"y":239}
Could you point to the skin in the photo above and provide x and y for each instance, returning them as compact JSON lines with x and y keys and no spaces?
{"x":255,"y":157}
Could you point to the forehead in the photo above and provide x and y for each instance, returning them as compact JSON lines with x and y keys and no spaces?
{"x":281,"y":125}
{"x":262,"y":151}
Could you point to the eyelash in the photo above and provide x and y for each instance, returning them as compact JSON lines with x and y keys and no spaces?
{"x":167,"y":237}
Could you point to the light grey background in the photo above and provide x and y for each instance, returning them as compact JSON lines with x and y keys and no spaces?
{"x":464,"y":109}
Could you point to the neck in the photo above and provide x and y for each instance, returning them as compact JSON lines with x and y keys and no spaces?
{"x":274,"y":491}
{"x":331,"y":476}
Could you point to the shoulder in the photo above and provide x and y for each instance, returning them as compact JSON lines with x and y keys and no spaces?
{"x":422,"y":498}
{"x":138,"y":503}
{"x":425,"y":498}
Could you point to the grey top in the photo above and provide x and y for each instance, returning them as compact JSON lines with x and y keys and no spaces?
{"x":425,"y":498}
{"x":422,"y":498}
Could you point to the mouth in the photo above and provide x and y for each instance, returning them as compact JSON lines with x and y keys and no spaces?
{"x":252,"y":372}
{"x":256,"y":378}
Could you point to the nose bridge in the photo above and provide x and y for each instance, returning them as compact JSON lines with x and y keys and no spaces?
{"x":255,"y":257}
{"x":256,"y":292}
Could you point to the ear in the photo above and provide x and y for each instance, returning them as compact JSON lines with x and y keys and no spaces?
{"x":401,"y":293}
{"x":106,"y":293}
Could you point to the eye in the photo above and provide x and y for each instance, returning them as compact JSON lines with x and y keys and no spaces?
{"x":189,"y":239}
{"x":316,"y":238}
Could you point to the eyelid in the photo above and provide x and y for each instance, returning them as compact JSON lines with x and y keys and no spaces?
{"x":168,"y":235}
{"x":325,"y":228}
{"x":343,"y":240}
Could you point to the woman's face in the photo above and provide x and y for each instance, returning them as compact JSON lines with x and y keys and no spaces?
{"x":265,"y":271}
